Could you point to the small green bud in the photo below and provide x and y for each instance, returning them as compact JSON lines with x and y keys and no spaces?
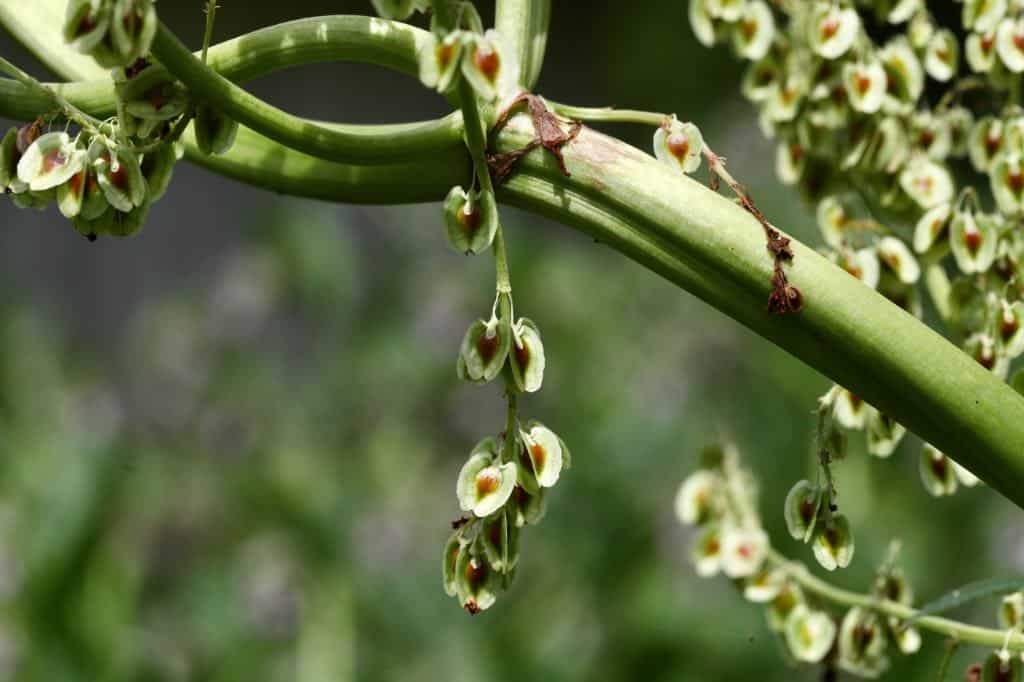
{"x":215,"y":132}
{"x":743,"y":551}
{"x":157,"y":168}
{"x":132,"y":28}
{"x":471,"y":220}
{"x":937,"y":473}
{"x":862,"y":643}
{"x":832,"y":29}
{"x":754,"y":31}
{"x":1010,"y":43}
{"x":453,"y":550}
{"x":942,"y":55}
{"x":803,"y":503}
{"x":1001,"y":666}
{"x":50,"y":161}
{"x":154,"y":96}
{"x":528,"y":507}
{"x":485,"y":484}
{"x":500,"y":539}
{"x":1011,"y":611}
{"x":86,"y":23}
{"x":697,"y":497}
{"x":833,"y":543}
{"x":542,"y":453}
{"x":809,"y":634}
{"x":484,"y":349}
{"x":973,"y":239}
{"x":679,"y":145}
{"x":526,"y":356}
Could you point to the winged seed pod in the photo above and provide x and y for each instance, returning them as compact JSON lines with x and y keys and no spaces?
{"x":439,"y":60}
{"x":484,"y":350}
{"x":865,"y":84}
{"x":453,"y":550}
{"x":833,"y":543}
{"x":471,"y":220}
{"x":1010,"y":43}
{"x":541,"y":453}
{"x":942,"y":55}
{"x":399,"y":10}
{"x":803,"y":503}
{"x":489,"y":67}
{"x":706,"y":553}
{"x":764,"y":586}
{"x":86,"y":23}
{"x":50,"y":161}
{"x":832,"y":29}
{"x":477,"y":584}
{"x":983,"y":15}
{"x":884,"y":433}
{"x":862,"y":643}
{"x":679,"y":145}
{"x":1011,"y":611}
{"x":1000,"y":666}
{"x":937,"y":473}
{"x":754,"y":31}
{"x":500,"y":539}
{"x":973,"y":239}
{"x":485,"y":484}
{"x":809,"y":634}
{"x":697,"y":496}
{"x":120,"y":177}
{"x":743,"y":551}
{"x":526,"y":356}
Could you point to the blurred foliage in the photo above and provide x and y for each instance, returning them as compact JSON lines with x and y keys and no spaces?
{"x":228,"y":447}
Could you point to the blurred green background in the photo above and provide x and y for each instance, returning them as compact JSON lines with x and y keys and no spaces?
{"x":228,"y":446}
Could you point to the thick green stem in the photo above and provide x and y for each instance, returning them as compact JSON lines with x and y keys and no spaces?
{"x":524,"y":26}
{"x":961,"y":632}
{"x":349,"y":144}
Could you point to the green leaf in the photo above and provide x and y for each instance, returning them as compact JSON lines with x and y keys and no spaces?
{"x":966,"y":594}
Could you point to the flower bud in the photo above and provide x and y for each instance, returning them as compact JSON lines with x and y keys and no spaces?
{"x":927,"y":182}
{"x":697,"y":497}
{"x":932,"y":227}
{"x":541,"y":453}
{"x":983,"y":15}
{"x":679,"y":145}
{"x":801,"y":509}
{"x":526,"y":356}
{"x":50,"y":161}
{"x":884,"y":433}
{"x":865,"y":84}
{"x":937,"y":473}
{"x":471,"y":220}
{"x":973,"y":239}
{"x":85,"y":24}
{"x":484,"y":350}
{"x":833,"y":543}
{"x":1010,"y":43}
{"x":476,"y":584}
{"x":707,"y":552}
{"x":485,"y":484}
{"x":215,"y":132}
{"x":754,"y":32}
{"x":743,"y":551}
{"x":809,"y":634}
{"x":1001,"y":666}
{"x":942,"y":55}
{"x":832,"y":29}
{"x":897,"y":258}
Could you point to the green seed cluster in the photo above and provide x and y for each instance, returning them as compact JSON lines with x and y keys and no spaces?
{"x":721,"y":500}
{"x":113,"y":32}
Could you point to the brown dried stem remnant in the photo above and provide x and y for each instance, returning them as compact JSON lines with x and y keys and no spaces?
{"x":548,"y":134}
{"x":784,"y":297}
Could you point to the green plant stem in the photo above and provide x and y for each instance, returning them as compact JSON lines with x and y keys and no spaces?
{"x":523,"y":24}
{"x":609,"y":114}
{"x":52,"y":99}
{"x":960,"y":632}
{"x":947,"y":658}
{"x":211,"y":18}
{"x":349,"y":143}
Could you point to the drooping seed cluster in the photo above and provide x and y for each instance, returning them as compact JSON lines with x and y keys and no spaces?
{"x":105,"y":177}
{"x":721,"y":500}
{"x":503,"y":485}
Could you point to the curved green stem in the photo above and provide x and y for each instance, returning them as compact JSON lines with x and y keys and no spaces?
{"x":524,"y":26}
{"x":345,"y":143}
{"x":961,"y":632}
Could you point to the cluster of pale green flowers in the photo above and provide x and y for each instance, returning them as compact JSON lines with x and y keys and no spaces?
{"x":1002,"y":665}
{"x":113,"y":32}
{"x":106,"y":176}
{"x":721,"y":499}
